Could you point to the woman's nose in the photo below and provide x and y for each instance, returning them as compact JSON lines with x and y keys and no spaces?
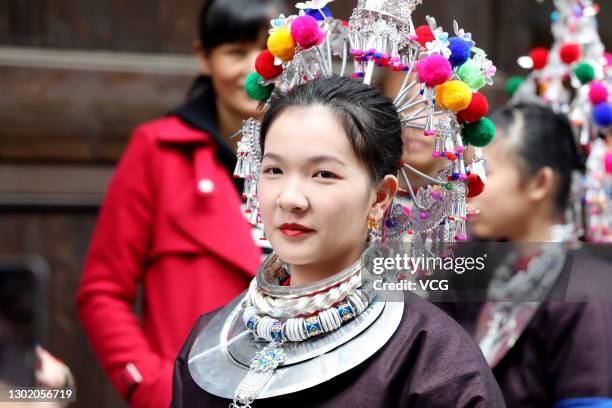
{"x":292,"y":198}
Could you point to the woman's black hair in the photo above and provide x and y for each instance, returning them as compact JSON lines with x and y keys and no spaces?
{"x":369,"y":119}
{"x":545,"y":139}
{"x":229,"y":21}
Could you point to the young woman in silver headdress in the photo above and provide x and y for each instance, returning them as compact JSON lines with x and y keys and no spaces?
{"x":310,"y":330}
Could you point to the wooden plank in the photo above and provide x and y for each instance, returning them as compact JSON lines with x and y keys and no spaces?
{"x":29,"y":187}
{"x":138,"y":25}
{"x":61,"y":114}
{"x":179,"y":25}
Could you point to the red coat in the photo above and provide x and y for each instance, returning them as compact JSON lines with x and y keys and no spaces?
{"x":190,"y":247}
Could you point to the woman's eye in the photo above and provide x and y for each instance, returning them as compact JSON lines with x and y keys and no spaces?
{"x":325,"y":174}
{"x":273,"y":171}
{"x":235,"y":52}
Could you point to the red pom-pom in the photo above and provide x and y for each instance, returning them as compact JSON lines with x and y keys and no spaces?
{"x":475,"y":185}
{"x":424,"y":34}
{"x":570,"y":53}
{"x":539,"y":56}
{"x":478,"y":107}
{"x":264,"y":65}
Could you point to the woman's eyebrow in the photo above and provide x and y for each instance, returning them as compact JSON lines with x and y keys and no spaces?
{"x":313,"y":160}
{"x":272,"y":156}
{"x":324,"y":158}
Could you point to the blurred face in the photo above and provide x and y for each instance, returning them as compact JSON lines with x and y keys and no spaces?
{"x":315,"y":193}
{"x":418,"y":149}
{"x":504,"y":204}
{"x":228,"y":66}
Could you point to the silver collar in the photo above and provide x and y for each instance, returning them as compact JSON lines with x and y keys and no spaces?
{"x":221,"y":354}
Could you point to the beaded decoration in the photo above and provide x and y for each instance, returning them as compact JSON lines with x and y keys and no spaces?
{"x":303,"y":328}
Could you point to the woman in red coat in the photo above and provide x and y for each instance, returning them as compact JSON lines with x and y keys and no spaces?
{"x":171,"y":219}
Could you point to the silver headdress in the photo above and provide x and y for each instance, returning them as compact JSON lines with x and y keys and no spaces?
{"x":438,"y":96}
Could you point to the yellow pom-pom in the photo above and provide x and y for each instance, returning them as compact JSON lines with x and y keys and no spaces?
{"x":454,"y":95}
{"x":281,"y":44}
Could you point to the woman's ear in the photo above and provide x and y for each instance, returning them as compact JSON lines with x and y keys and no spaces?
{"x":201,"y":56}
{"x":542,"y":185}
{"x":385,"y":193}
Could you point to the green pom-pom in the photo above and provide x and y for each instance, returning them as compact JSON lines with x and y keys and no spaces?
{"x":471,"y":74}
{"x":254,"y":88}
{"x":585,"y":72}
{"x":478,"y":134}
{"x":513,"y":84}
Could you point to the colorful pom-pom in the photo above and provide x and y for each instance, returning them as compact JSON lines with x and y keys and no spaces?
{"x":306,"y":32}
{"x":319,"y":14}
{"x":475,"y":185}
{"x":460,"y":51}
{"x":513,"y":84}
{"x":598,"y":93}
{"x":255,"y":89}
{"x":478,"y":134}
{"x":602,"y":115}
{"x":471,"y":73}
{"x":264,"y":65}
{"x":570,"y":53}
{"x":585,"y":72}
{"x":281,"y":44}
{"x":608,"y":162}
{"x":539,"y":56}
{"x":433,"y":70}
{"x":478,"y":107}
{"x":424,"y":35}
{"x":454,"y":95}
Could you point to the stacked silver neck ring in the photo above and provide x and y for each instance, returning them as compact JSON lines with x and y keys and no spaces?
{"x":296,"y":313}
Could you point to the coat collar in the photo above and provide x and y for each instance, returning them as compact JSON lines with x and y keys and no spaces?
{"x":200,"y":113}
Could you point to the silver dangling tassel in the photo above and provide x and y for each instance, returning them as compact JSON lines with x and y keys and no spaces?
{"x":262,"y":368}
{"x":239,"y":169}
{"x":478,"y":165}
{"x":449,"y":145}
{"x":430,"y":127}
{"x":459,"y":212}
{"x":462,"y":172}
{"x":254,"y":212}
{"x":461,"y":231}
{"x":439,"y":146}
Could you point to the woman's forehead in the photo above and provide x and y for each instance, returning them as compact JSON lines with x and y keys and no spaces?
{"x":308,"y":134}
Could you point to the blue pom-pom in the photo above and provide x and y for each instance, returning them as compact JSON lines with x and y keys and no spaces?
{"x":554,"y":16}
{"x":460,"y":51}
{"x":319,"y":15}
{"x":602,"y":114}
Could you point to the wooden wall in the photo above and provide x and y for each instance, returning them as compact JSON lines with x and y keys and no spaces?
{"x":77,"y":76}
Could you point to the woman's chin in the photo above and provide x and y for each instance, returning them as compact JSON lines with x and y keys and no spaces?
{"x":294,"y":258}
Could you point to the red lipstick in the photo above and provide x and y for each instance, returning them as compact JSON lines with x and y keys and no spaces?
{"x":294,"y":230}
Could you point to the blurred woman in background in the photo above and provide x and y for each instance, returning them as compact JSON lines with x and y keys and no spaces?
{"x":171,"y":219}
{"x":546,"y":328}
